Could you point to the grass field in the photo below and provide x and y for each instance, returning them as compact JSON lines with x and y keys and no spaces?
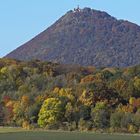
{"x":19,"y":134}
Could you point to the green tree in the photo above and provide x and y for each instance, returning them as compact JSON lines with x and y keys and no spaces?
{"x":100,"y":115}
{"x":115,"y":119}
{"x":51,"y":112}
{"x":69,"y":112}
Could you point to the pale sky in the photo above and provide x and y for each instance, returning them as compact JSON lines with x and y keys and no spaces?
{"x":21,"y":20}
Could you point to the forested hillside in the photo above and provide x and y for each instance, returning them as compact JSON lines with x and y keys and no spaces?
{"x":68,"y":97}
{"x":85,"y":37}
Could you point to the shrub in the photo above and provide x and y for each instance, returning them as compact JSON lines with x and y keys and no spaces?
{"x":126,"y":120}
{"x":115,"y":119}
{"x":132,"y":129}
{"x":72,"y":126}
{"x":136,"y":120}
{"x":26,"y":125}
{"x":84,"y":125}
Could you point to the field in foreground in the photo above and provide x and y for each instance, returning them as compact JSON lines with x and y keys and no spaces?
{"x":19,"y":134}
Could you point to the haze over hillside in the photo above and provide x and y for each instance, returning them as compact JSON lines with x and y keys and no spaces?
{"x":85,"y":37}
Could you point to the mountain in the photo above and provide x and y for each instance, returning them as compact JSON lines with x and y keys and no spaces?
{"x":85,"y":37}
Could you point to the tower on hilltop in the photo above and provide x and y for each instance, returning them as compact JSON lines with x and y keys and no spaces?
{"x":77,"y":9}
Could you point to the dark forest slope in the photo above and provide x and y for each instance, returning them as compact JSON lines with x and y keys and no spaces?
{"x":85,"y":37}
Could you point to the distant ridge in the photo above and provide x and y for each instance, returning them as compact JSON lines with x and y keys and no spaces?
{"x":85,"y":37}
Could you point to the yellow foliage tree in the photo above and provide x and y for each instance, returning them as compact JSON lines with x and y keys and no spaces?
{"x":50,"y":112}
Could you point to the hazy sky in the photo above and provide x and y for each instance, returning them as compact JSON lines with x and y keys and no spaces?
{"x":21,"y":20}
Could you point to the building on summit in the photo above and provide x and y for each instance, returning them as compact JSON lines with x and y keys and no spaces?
{"x":77,"y":9}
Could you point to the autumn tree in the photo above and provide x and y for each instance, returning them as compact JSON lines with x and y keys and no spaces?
{"x":51,"y":112}
{"x":100,"y":115}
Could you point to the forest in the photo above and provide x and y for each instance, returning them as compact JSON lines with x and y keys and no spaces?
{"x":54,"y":96}
{"x":87,"y":37}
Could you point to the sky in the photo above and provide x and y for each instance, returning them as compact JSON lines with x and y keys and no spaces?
{"x":21,"y":20}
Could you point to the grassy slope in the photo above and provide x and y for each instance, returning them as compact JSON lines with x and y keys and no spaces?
{"x":20,"y":134}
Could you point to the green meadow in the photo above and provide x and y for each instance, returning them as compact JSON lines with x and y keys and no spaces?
{"x":20,"y":134}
